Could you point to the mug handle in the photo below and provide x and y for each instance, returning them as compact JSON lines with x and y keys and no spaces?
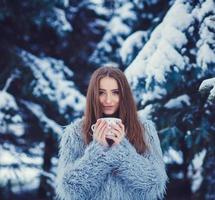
{"x":93,"y":127}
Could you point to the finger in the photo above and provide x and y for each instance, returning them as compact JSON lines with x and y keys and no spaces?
{"x":100,"y":126}
{"x":103,"y":138}
{"x":98,"y":122}
{"x":102,"y":131}
{"x":116,"y":140}
{"x":119,"y":129}
{"x":100,"y":138}
{"x":98,"y":129}
{"x":121,"y":126}
{"x":116,"y":133}
{"x":116,"y":127}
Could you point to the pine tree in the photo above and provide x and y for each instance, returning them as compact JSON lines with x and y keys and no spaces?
{"x":165,"y":77}
{"x":128,"y":17}
{"x":37,"y":95}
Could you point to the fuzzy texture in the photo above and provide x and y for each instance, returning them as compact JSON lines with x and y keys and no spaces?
{"x":96,"y":172}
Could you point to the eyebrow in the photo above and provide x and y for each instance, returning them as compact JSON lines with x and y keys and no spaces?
{"x":111,"y":90}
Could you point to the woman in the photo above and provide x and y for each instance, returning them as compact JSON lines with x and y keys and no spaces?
{"x":131,"y":168}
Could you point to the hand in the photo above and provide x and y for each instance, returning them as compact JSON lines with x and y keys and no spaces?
{"x":101,"y":129}
{"x":118,"y":131}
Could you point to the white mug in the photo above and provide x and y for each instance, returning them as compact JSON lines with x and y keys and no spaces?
{"x":109,"y":120}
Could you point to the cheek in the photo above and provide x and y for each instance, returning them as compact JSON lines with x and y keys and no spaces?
{"x":117,"y":100}
{"x":101,"y":100}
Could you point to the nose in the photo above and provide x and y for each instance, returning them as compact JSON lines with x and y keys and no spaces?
{"x":108,"y":98}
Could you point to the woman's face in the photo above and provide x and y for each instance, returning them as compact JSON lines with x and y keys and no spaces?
{"x":109,"y":95}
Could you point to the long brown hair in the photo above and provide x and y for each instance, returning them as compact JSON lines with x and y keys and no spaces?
{"x":127,"y":108}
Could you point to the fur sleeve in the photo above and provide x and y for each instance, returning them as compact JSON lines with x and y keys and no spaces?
{"x":79,"y":175}
{"x":143,"y":174}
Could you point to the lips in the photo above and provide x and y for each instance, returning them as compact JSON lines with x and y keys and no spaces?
{"x":108,"y":107}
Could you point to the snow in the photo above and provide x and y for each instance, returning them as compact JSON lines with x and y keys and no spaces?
{"x":26,"y":175}
{"x":59,"y":22}
{"x":161,"y":60}
{"x":97,"y":1}
{"x":54,"y":161}
{"x":159,"y":52}
{"x":133,"y":41}
{"x":125,"y":12}
{"x":174,"y":36}
{"x":206,"y":54}
{"x":178,"y":102}
{"x":166,"y":49}
{"x":96,"y":25}
{"x":22,"y":170}
{"x":56,"y":19}
{"x":117,"y":27}
{"x":51,"y":82}
{"x":17,"y":129}
{"x":208,"y":85}
{"x":98,"y":8}
{"x":206,"y":7}
{"x":10,"y":79}
{"x":173,"y":156}
{"x":158,"y":93}
{"x":179,"y":16}
{"x":10,"y":156}
{"x":145,"y":113}
{"x":65,"y":3}
{"x":7,"y":101}
{"x":10,"y":119}
{"x":47,"y":123}
{"x":106,"y":46}
{"x":195,"y":170}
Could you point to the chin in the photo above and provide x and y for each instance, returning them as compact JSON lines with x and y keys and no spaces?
{"x":110,"y":113}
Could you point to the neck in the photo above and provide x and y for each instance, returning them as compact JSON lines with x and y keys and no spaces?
{"x":116,"y":114}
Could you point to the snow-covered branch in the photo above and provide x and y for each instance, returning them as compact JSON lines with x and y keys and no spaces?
{"x":208,"y":86}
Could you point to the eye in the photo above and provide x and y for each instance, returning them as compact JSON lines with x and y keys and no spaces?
{"x":101,"y":92}
{"x":116,"y":92}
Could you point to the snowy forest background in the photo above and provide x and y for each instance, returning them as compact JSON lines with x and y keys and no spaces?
{"x":49,"y":49}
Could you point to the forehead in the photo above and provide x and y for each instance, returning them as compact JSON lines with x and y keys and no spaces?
{"x":108,"y":83}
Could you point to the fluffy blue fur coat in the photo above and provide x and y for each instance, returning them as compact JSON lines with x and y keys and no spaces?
{"x":96,"y":172}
